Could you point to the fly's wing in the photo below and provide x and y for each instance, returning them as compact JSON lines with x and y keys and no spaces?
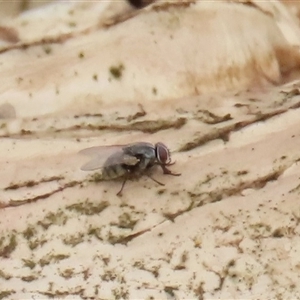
{"x":104,"y":151}
{"x":106,"y":156}
{"x":108,"y":150}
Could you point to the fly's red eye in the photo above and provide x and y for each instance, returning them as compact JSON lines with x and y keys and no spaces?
{"x":162,"y":153}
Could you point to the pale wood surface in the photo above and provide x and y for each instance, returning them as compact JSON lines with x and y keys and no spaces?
{"x":227,"y":228}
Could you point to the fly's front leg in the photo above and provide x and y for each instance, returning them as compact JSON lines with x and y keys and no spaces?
{"x":158,"y":182}
{"x":170,"y":163}
{"x":169,"y":172}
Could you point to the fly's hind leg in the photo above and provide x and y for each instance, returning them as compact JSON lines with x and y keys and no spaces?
{"x":123,"y":184}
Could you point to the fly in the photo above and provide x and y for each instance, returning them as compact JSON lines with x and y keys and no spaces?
{"x":128,"y":161}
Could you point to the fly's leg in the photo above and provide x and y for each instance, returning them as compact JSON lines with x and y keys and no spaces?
{"x":165,"y":164}
{"x":160,"y":183}
{"x":170,"y":163}
{"x":168,"y":172}
{"x":123,"y":184}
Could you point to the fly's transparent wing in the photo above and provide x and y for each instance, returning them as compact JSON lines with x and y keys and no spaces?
{"x":104,"y":151}
{"x":106,"y":156}
{"x":94,"y":164}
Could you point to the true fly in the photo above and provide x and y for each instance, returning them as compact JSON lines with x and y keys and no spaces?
{"x":128,"y":161}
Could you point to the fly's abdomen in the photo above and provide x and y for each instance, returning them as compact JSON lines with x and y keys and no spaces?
{"x":112,"y":172}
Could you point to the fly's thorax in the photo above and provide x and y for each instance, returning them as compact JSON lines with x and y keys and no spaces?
{"x":144,"y":152}
{"x":146,"y":163}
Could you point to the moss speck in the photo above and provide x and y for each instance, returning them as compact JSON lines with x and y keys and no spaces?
{"x":34,"y":243}
{"x":260,"y":229}
{"x":72,"y":24}
{"x":5,"y":294}
{"x":88,"y":208}
{"x":170,"y":290}
{"x":74,"y":240}
{"x":47,"y":49}
{"x":231,"y":263}
{"x":243,"y":172}
{"x":52,"y":258}
{"x":29,"y":232}
{"x":161,"y":191}
{"x":106,"y":260}
{"x":4,"y":275}
{"x":96,"y":232}
{"x":29,"y":263}
{"x":29,"y":278}
{"x":67,"y":273}
{"x":58,"y":218}
{"x":116,"y":71}
{"x":120,"y":293}
{"x":109,"y":275}
{"x":125,"y":221}
{"x":115,"y":239}
{"x":7,"y":248}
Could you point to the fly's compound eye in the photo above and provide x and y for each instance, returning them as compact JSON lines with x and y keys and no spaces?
{"x":162,"y":153}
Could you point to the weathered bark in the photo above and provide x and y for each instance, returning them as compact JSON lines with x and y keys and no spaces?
{"x":228,"y":227}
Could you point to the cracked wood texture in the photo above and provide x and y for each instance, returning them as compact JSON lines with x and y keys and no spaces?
{"x":221,"y":91}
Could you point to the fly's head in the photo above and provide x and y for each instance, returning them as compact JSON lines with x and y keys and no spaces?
{"x":163,"y":155}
